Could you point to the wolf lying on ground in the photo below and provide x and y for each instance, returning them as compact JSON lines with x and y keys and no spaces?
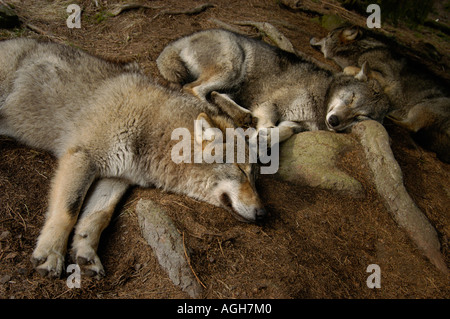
{"x":110,"y":127}
{"x":277,"y":87}
{"x":420,"y":101}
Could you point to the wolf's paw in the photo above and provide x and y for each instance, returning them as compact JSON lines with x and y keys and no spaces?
{"x":294,"y":126}
{"x":351,"y":70}
{"x":48,"y":264}
{"x":89,"y":263}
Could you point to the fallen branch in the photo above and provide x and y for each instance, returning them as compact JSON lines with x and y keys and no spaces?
{"x":130,"y":6}
{"x":388,"y":181}
{"x":272,"y":33}
{"x":296,"y":5}
{"x":283,"y":42}
{"x":168,"y":245}
{"x":42,"y":32}
{"x":224,"y":25}
{"x":36,"y":29}
{"x":191,"y":11}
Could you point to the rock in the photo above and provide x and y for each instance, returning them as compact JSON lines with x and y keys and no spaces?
{"x":388,"y":181}
{"x":309,"y":158}
{"x":167,"y":243}
{"x":8,"y":18}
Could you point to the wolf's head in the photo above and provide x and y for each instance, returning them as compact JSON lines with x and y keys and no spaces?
{"x":345,"y":45}
{"x":353,"y":99}
{"x":234,"y":189}
{"x":219,"y":180}
{"x":337,"y":38}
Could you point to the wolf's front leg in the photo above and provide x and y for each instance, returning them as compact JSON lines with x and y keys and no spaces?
{"x":267,"y":116}
{"x":73,"y":178}
{"x":96,"y":214}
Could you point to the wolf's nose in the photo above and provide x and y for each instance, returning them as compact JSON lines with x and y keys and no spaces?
{"x":333,"y":120}
{"x":260,"y":214}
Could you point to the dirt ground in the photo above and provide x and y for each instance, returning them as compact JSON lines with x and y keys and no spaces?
{"x":315,"y":244}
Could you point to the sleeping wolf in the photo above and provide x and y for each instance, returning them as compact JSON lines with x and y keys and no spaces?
{"x":277,"y":87}
{"x":110,"y":127}
{"x":420,"y":101}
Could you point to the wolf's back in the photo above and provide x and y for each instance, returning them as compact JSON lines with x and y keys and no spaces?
{"x":44,"y":86}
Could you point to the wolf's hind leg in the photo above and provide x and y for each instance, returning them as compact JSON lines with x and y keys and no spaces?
{"x":418,"y":117}
{"x":95,"y":216}
{"x":215,"y":78}
{"x":73,"y":178}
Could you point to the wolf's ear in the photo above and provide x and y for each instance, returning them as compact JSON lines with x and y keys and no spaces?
{"x":363,"y":74}
{"x":204,"y":129}
{"x":350,"y":34}
{"x":237,"y":113}
{"x":316,"y":43}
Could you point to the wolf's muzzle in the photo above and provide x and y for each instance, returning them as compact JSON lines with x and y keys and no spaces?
{"x":333,"y":120}
{"x":260,"y":215}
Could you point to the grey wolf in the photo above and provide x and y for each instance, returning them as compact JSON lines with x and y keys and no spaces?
{"x":420,"y":101}
{"x":109,"y":127}
{"x":278,"y":88}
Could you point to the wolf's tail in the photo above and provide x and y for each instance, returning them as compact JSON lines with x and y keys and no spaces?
{"x":171,"y":66}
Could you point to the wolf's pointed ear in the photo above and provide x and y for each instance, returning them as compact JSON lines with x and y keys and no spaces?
{"x":204,"y":129}
{"x":350,"y":34}
{"x":363,"y":74}
{"x":237,"y":113}
{"x":316,"y":43}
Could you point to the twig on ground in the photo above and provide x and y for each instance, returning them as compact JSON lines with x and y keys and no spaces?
{"x":272,"y":33}
{"x":282,"y":41}
{"x":224,"y":25}
{"x":118,"y":9}
{"x":42,"y":32}
{"x":191,"y":11}
{"x":189,"y":263}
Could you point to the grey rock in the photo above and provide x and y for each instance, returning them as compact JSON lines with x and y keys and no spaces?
{"x":309,"y":158}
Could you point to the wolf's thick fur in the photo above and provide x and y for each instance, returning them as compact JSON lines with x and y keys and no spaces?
{"x":420,"y":101}
{"x":279,"y":88}
{"x":109,"y":126}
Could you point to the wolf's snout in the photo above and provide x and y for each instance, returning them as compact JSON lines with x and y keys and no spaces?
{"x":333,"y":120}
{"x":260,"y":214}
